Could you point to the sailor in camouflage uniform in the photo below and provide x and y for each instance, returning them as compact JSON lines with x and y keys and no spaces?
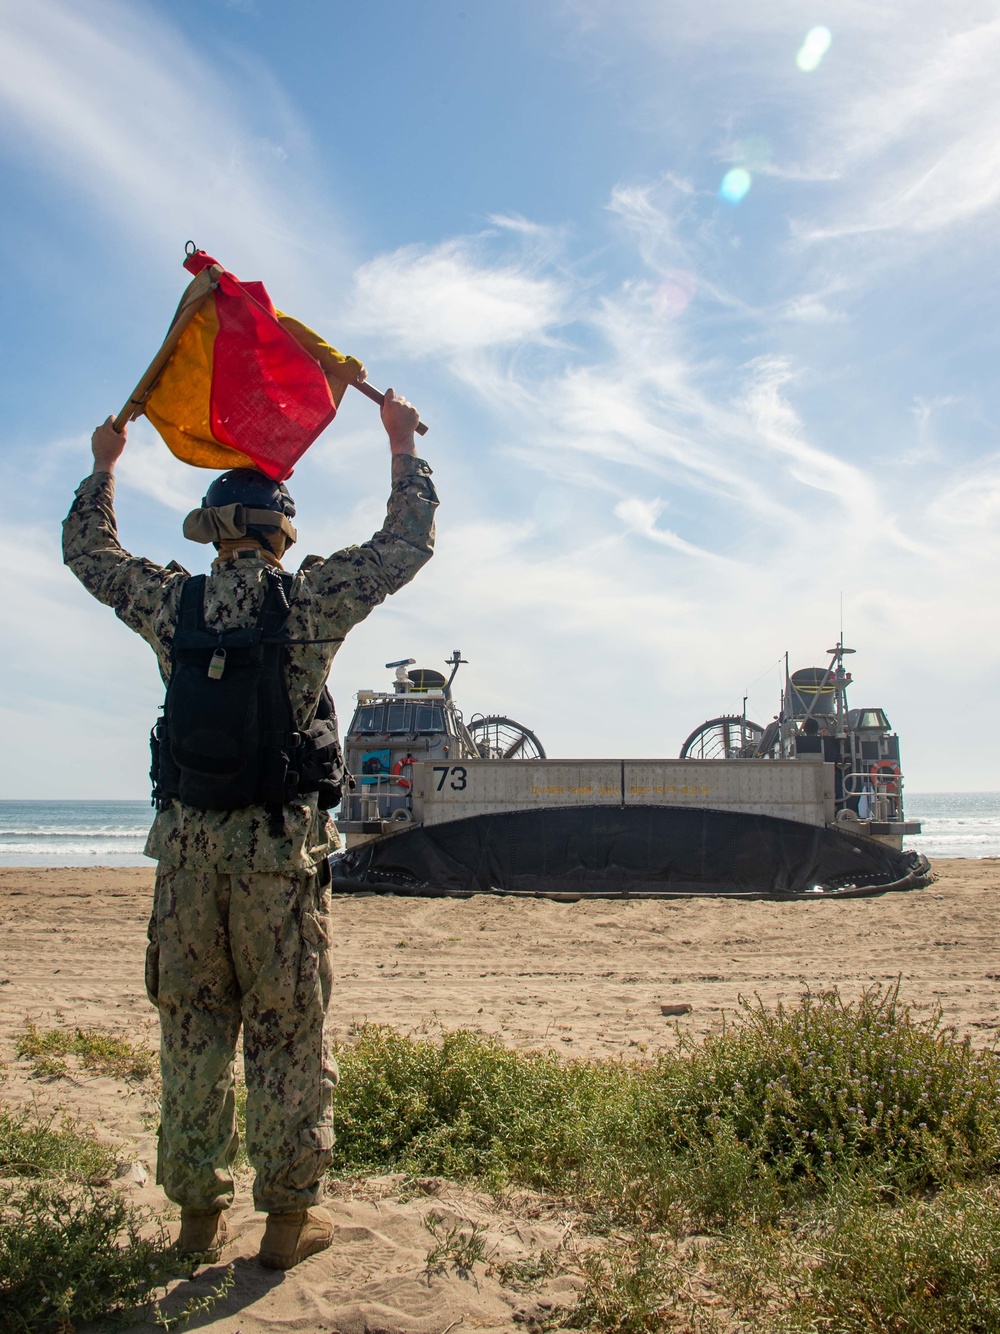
{"x":240,"y":933}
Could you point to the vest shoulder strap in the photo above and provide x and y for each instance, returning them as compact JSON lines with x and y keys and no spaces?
{"x":276,"y":606}
{"x":191,"y":613}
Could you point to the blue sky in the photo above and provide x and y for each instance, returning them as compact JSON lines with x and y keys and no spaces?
{"x":670,"y":431}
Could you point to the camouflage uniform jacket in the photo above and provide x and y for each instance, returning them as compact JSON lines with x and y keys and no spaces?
{"x":328,"y":597}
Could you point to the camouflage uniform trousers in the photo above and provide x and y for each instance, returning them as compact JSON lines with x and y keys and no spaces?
{"x":251,"y":950}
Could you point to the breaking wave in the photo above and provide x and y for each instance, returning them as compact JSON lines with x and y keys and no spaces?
{"x":69,"y":833}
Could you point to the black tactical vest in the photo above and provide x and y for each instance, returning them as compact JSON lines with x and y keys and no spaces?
{"x":227,"y":738}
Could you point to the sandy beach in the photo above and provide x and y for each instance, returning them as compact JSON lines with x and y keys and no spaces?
{"x":584,"y":979}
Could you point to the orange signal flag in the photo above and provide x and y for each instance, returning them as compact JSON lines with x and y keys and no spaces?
{"x":245,"y":385}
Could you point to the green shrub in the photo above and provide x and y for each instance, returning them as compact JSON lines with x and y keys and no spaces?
{"x":843,"y":1154}
{"x":772,"y":1110}
{"x":815,"y":1086}
{"x":461,"y":1245}
{"x":32,"y":1145}
{"x":66,"y":1257}
{"x":69,"y":1250}
{"x":469,"y":1106}
{"x":848,"y":1265}
{"x":782,"y":1104}
{"x":855,"y":1264}
{"x":924,"y":1266}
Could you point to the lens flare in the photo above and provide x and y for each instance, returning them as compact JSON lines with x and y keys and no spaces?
{"x":735,"y":184}
{"x":814,"y":48}
{"x":674,"y":294}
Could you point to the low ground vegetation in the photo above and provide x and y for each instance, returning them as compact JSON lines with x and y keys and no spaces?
{"x":49,"y":1148}
{"x":824,"y":1167}
{"x":71,"y":1247}
{"x":100,"y":1052}
{"x":836,"y":1160}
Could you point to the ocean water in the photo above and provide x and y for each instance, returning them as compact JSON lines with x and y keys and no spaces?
{"x":74,"y":833}
{"x":956,"y":824}
{"x":112,"y":833}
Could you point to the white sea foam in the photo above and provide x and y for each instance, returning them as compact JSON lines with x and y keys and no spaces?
{"x":75,"y":847}
{"x":955,"y":824}
{"x":54,"y":832}
{"x":73,"y":833}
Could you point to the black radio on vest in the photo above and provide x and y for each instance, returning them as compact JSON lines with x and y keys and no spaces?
{"x":227,"y":738}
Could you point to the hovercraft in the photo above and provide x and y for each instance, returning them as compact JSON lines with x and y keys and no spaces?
{"x":810,"y":806}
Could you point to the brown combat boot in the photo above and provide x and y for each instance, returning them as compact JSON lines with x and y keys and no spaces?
{"x":289,"y":1238}
{"x":203,"y":1233}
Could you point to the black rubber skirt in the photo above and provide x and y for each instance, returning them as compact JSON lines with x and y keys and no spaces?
{"x":583,"y":852}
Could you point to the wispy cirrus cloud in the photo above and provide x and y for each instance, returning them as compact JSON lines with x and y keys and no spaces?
{"x":445,"y":300}
{"x":900,"y":123}
{"x":127,"y":114}
{"x":640,"y":516}
{"x":918,"y":153}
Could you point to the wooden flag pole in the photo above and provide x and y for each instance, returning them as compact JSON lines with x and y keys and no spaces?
{"x":365,"y":388}
{"x":194,"y":294}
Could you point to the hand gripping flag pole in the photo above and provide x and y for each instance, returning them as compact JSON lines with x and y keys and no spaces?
{"x":237,"y":383}
{"x":371,"y":392}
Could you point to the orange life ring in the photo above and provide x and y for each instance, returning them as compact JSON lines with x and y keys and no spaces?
{"x":398,"y":767}
{"x":885,"y":766}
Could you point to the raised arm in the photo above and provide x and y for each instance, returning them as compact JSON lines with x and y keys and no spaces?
{"x":353,"y":581}
{"x":136,"y":588}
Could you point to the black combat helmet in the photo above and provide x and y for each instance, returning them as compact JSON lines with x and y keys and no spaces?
{"x":255,"y":491}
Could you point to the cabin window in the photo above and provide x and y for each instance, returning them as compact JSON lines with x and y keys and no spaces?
{"x":397,"y":718}
{"x":428,"y":718}
{"x":407,"y":717}
{"x":370,"y":718}
{"x":868,"y":720}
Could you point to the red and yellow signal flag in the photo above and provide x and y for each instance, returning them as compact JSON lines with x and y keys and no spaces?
{"x":238,"y":383}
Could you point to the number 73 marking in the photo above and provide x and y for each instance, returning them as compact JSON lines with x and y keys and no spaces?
{"x":459,"y":776}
